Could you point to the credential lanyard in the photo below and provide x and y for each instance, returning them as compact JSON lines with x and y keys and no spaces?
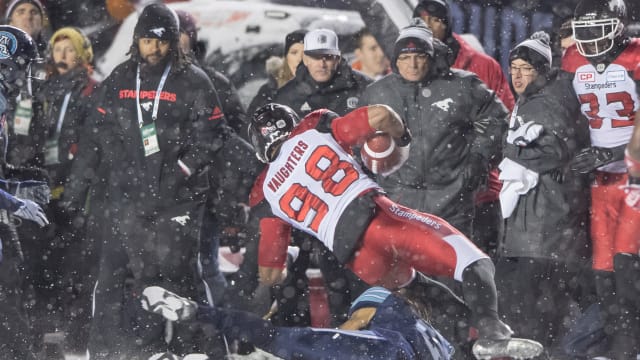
{"x":156,"y":101}
{"x":514,"y":118}
{"x":63,"y":112}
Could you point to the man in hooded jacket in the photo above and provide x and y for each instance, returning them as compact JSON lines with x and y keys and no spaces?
{"x":159,"y":126}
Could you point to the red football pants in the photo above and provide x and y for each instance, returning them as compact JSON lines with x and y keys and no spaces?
{"x":615,"y":227}
{"x":400,"y":239}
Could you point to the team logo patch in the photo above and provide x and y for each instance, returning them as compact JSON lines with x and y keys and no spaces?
{"x":146,"y":105}
{"x":158,"y":31}
{"x":266,"y":130}
{"x":182,"y":220}
{"x":586,"y":76}
{"x":443,"y":104}
{"x":352,"y":102}
{"x":8,"y":44}
{"x":322,"y":39}
{"x":618,"y":75}
{"x":216,"y":113}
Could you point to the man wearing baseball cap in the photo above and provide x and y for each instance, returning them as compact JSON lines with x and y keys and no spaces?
{"x":325,"y":80}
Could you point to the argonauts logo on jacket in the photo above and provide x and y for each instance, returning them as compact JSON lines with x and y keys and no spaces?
{"x":8,"y":44}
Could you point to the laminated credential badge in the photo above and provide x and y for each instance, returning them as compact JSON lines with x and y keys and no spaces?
{"x":150,"y":139}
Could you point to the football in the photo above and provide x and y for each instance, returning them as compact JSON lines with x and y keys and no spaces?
{"x":380,"y":154}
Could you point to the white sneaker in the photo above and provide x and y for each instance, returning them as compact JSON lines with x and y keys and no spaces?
{"x":514,"y":348}
{"x":195,"y":357}
{"x":173,"y":307}
{"x":164,"y":356}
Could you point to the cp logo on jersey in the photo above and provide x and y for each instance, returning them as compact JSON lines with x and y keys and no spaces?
{"x":586,"y":76}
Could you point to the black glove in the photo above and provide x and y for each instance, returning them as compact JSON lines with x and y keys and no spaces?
{"x":477,"y":171}
{"x":405,"y":139}
{"x":591,"y":158}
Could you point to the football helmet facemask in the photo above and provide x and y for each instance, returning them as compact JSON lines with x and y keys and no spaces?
{"x":270,"y":125}
{"x":597,"y":25}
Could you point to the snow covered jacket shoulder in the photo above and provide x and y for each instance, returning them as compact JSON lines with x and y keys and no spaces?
{"x":190,"y":128}
{"x":457,"y":124}
{"x":341,"y":94}
{"x":550,"y":220}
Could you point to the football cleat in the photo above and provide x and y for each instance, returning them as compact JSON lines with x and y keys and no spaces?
{"x":514,"y":348}
{"x":171,"y":306}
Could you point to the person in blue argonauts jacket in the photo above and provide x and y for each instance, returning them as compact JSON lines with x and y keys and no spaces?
{"x":17,"y":52}
{"x":381,"y":325}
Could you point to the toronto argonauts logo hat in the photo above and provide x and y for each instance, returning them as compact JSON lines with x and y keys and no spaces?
{"x":8,"y":44}
{"x":321,"y":42}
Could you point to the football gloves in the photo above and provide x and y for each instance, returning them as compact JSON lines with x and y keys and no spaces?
{"x":29,"y":210}
{"x":591,"y":158}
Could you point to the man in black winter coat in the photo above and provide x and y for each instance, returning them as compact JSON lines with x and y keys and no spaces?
{"x":545,"y":241}
{"x":159,"y":126}
{"x":324,"y":79}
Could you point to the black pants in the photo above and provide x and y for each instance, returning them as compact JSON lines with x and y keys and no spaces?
{"x":535,"y":296}
{"x":141,"y":252}
{"x":16,"y":338}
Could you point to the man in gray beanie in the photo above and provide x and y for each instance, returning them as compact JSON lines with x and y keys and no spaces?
{"x":155,"y":128}
{"x":457,"y":124}
{"x":550,"y":217}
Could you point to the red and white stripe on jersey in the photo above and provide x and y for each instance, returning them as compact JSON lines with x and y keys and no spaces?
{"x":609,"y":98}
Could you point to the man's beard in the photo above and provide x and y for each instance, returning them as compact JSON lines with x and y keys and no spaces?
{"x":160,"y":62}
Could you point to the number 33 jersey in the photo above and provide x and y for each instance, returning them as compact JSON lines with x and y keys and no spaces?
{"x":313,"y":179}
{"x":608,"y":94}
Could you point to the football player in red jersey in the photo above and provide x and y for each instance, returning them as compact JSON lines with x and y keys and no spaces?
{"x":313,"y":184}
{"x":606,"y":79}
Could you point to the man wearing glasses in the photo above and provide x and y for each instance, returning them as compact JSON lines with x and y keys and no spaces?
{"x":457,"y":124}
{"x":545,"y":205}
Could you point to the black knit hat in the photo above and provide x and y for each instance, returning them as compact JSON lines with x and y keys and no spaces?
{"x":415,"y":38}
{"x":435,"y":8}
{"x":12,"y":6}
{"x":294,"y":38}
{"x":157,"y":21}
{"x":535,"y":50}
